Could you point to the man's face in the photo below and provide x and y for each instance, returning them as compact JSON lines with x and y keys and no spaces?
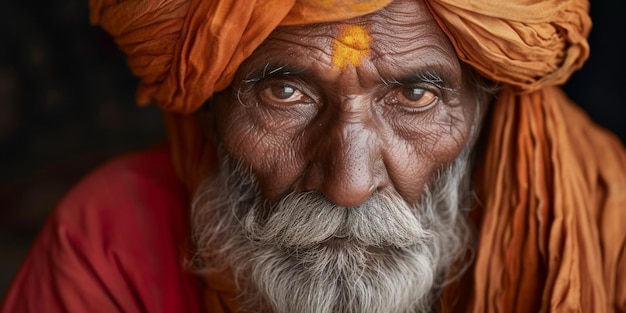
{"x":349,"y":108}
{"x":344,"y":150}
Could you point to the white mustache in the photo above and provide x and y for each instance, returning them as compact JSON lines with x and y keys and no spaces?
{"x":307,"y":219}
{"x":326,"y":253}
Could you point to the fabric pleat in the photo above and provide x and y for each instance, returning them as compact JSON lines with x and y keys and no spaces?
{"x":525,"y":44}
{"x":552,"y":208}
{"x":551,"y":185}
{"x":185,"y":50}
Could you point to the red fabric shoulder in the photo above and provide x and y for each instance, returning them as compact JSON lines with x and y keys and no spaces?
{"x":113,"y":244}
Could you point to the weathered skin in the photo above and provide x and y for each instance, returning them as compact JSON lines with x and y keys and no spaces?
{"x":304,"y":121}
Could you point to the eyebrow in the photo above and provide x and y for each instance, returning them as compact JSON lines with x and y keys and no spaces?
{"x":422,"y":76}
{"x":432,"y":75}
{"x":268,"y":70}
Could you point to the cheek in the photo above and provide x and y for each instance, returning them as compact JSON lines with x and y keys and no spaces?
{"x":450,"y":133}
{"x":267,"y":145}
{"x":421,"y":148}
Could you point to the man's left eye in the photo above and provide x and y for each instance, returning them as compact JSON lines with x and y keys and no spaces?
{"x":414,"y":97}
{"x":283,"y":94}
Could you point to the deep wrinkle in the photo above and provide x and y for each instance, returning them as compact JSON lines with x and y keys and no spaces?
{"x":347,"y":132}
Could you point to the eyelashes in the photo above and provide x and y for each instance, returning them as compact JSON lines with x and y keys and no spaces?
{"x":414,"y":99}
{"x":283,"y":94}
{"x":285,"y":87}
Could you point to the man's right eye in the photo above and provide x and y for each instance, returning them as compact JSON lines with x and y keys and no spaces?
{"x":283,"y":94}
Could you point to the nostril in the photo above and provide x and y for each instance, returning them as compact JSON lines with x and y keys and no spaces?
{"x":348,"y":195}
{"x":342,"y":187}
{"x":346,"y":182}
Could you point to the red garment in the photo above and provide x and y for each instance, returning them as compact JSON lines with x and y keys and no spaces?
{"x":114,"y":244}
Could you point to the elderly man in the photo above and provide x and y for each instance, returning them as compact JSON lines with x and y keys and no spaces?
{"x":345,"y":156}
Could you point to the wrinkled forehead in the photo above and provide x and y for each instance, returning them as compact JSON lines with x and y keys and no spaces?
{"x":398,"y":33}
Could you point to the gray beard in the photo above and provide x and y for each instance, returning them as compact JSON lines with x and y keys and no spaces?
{"x":305,"y":254}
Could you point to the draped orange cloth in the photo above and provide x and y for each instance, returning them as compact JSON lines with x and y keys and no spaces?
{"x":550,"y":184}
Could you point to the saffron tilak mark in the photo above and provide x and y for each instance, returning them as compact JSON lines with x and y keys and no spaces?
{"x":352,"y":43}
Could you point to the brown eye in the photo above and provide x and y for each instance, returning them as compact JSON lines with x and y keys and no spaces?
{"x":415,"y":97}
{"x":283,"y":94}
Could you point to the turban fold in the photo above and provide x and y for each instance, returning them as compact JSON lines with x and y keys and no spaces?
{"x":550,"y":184}
{"x":185,"y":50}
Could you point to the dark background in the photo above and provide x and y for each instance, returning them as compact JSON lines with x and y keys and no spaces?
{"x":67,"y":105}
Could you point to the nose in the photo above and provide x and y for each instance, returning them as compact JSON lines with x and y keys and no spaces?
{"x":348,"y":166}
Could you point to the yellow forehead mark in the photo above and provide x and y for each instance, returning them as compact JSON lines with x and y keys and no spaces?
{"x":352,"y":43}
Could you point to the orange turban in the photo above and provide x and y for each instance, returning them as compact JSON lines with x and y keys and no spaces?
{"x":550,"y":184}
